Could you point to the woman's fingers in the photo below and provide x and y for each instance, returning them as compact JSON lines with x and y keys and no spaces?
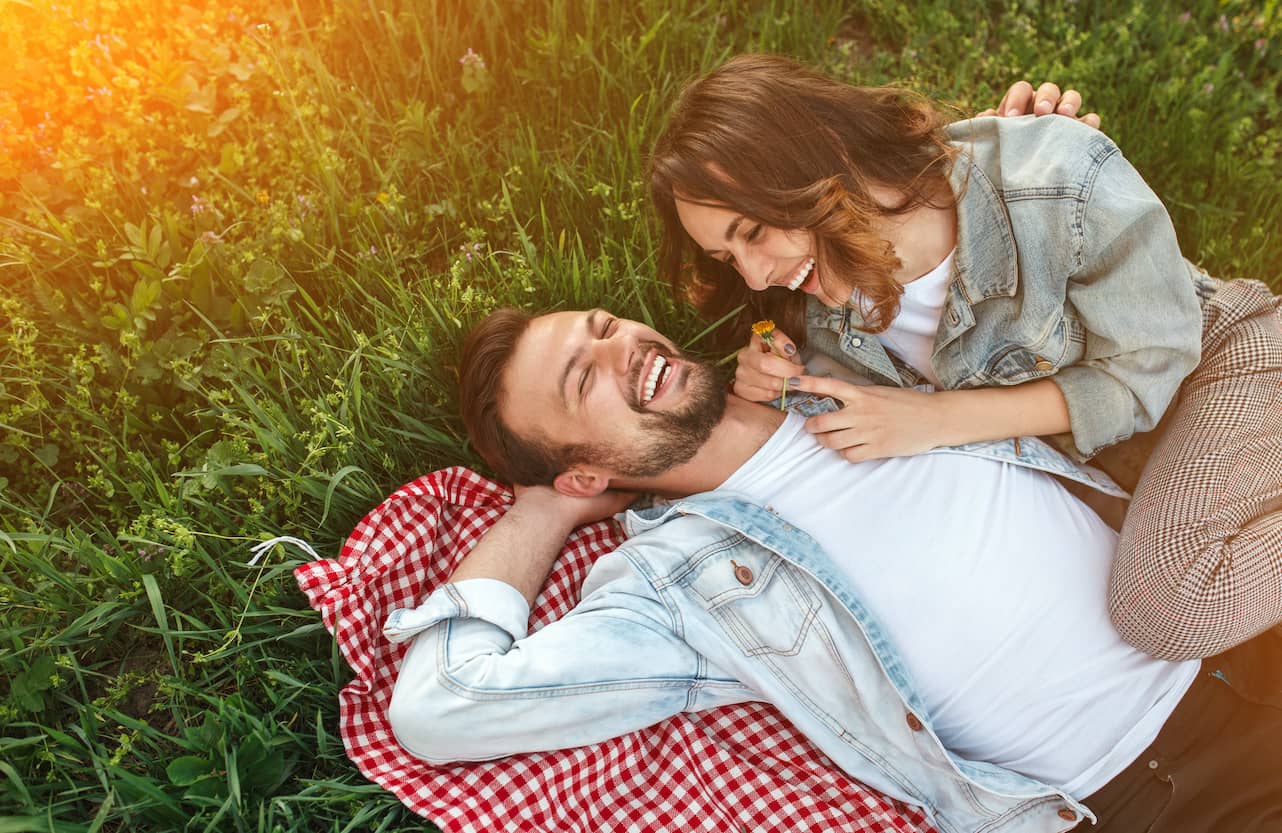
{"x":828,"y":386}
{"x":760,"y":372}
{"x":782,"y":345}
{"x":757,"y":393}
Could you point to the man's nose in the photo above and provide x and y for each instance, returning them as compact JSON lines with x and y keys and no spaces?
{"x":614,"y":351}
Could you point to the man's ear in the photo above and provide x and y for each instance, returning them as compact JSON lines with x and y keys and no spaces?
{"x":581,"y":482}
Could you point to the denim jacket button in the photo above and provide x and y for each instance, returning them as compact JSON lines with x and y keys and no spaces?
{"x":856,"y":342}
{"x":743,"y":574}
{"x":914,"y":722}
{"x":1043,"y":365}
{"x":1067,"y":814}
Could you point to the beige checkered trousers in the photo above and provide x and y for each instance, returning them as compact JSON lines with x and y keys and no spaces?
{"x":1199,"y":563}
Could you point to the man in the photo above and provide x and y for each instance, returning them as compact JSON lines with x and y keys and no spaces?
{"x":939,"y":630}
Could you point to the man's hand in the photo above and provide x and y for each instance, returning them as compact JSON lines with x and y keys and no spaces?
{"x":569,"y":513}
{"x":521,"y":547}
{"x":1021,"y":100}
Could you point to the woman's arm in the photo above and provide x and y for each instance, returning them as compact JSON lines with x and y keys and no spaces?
{"x":880,"y":421}
{"x":1134,"y":295}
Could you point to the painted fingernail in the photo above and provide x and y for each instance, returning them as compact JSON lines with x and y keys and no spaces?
{"x":789,"y":349}
{"x":794,"y":380}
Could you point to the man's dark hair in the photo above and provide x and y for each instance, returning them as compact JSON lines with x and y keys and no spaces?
{"x":486,"y":353}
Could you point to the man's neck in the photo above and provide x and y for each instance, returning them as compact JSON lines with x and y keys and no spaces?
{"x":744,"y":428}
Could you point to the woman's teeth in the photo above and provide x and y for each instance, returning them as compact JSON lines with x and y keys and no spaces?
{"x":802,"y":275}
{"x":652,"y":382}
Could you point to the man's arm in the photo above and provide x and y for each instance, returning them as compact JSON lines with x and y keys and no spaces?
{"x":522,"y":546}
{"x":475,"y":685}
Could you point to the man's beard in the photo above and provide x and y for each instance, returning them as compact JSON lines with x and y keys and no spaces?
{"x":669,"y":438}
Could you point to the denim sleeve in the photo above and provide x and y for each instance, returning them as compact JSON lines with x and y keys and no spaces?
{"x":475,"y":686}
{"x":1137,"y":304}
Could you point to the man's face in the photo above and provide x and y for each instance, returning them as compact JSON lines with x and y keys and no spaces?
{"x":628,"y":397}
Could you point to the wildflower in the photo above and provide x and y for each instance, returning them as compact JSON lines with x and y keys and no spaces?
{"x":470,"y":58}
{"x":1208,"y":88}
{"x":383,"y":197}
{"x":765,"y":330}
{"x":198,"y":205}
{"x":263,"y":197}
{"x":1224,"y":23}
{"x":1185,"y":18}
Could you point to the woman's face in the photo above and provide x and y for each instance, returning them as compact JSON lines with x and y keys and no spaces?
{"x":763,"y":255}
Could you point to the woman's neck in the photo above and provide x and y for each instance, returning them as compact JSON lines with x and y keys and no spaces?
{"x":922,"y":237}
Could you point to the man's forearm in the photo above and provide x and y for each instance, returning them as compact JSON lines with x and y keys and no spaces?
{"x":519,"y":549}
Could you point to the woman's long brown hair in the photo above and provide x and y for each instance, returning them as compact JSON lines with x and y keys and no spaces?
{"x":793,"y":149}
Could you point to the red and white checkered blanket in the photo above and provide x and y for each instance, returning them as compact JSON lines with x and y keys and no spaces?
{"x":736,"y":768}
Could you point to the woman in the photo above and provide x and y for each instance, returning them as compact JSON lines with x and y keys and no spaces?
{"x":1023,"y":269}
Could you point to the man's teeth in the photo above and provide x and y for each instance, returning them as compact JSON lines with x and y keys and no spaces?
{"x":656,"y":371}
{"x":802,"y":275}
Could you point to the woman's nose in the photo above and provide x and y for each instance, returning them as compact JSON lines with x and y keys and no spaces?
{"x":755,"y":270}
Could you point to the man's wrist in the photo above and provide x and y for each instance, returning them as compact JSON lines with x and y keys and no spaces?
{"x":551,"y":514}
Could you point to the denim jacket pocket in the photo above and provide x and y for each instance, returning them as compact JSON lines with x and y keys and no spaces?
{"x":761,"y":600}
{"x":1024,"y":362}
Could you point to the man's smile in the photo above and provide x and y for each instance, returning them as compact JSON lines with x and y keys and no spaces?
{"x":657,"y":372}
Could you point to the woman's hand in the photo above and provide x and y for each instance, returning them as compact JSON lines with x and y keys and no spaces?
{"x":877,"y":421}
{"x":1022,"y":100}
{"x":762,"y":371}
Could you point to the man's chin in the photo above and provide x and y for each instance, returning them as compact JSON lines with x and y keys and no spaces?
{"x":672,"y":438}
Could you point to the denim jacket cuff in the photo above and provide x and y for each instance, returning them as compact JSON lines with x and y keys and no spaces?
{"x":1100,"y":409}
{"x":488,"y":599}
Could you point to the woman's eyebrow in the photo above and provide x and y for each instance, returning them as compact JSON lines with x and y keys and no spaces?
{"x":730,"y":230}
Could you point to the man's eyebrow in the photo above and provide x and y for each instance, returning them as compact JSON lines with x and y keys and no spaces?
{"x":730,"y":230}
{"x":574,"y":359}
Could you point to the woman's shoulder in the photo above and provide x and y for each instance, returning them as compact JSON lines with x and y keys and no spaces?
{"x":1043,"y":154}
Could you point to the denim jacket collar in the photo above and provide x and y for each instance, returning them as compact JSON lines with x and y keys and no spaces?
{"x":985,"y":263}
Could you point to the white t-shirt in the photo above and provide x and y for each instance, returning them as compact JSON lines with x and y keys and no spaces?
{"x":911,"y":335}
{"x":990,"y":579}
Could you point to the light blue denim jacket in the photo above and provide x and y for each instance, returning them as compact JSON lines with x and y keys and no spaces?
{"x":1067,"y":268}
{"x":665,"y":625}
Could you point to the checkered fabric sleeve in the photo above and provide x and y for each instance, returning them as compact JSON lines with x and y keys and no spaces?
{"x":736,"y":768}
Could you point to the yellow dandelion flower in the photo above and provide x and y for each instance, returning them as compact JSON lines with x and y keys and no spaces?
{"x":766,"y":330}
{"x":263,"y":198}
{"x":383,"y":197}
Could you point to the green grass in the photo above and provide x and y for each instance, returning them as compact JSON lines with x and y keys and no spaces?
{"x":270,"y":349}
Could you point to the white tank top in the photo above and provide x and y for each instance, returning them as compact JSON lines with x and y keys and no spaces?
{"x":911,"y":336}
